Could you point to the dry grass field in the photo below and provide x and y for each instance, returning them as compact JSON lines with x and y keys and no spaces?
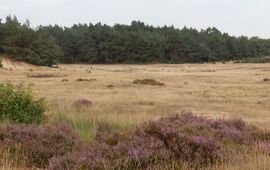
{"x":217,"y":90}
{"x":214,"y":90}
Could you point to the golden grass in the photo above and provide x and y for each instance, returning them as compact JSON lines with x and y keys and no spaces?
{"x":214,"y":90}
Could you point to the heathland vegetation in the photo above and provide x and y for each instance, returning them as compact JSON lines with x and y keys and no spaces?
{"x":103,"y":117}
{"x":132,"y":117}
{"x":135,"y":43}
{"x":183,"y":141}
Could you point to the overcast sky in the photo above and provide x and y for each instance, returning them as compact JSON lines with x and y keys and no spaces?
{"x":237,"y":17}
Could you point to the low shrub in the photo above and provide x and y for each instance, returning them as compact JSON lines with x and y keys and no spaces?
{"x":266,"y":79}
{"x":37,"y":145}
{"x":81,"y":79}
{"x":192,"y":141}
{"x":18,"y":105}
{"x":45,"y":75}
{"x":64,"y":80}
{"x":148,"y":82}
{"x":110,"y":86}
{"x":186,"y":139}
{"x":144,"y":103}
{"x":83,"y":103}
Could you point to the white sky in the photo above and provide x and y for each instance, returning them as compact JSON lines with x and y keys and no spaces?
{"x":237,"y":17}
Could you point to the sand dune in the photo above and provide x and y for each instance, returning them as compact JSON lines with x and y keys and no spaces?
{"x":15,"y":65}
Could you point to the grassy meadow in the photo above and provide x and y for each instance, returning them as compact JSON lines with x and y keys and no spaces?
{"x":122,"y":100}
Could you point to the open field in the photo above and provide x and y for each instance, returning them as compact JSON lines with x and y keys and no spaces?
{"x":213,"y":90}
{"x":217,"y":90}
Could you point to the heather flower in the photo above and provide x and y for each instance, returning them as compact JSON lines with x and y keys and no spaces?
{"x":39,"y":144}
{"x":83,"y":103}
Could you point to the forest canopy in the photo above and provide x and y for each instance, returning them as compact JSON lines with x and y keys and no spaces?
{"x":136,"y":43}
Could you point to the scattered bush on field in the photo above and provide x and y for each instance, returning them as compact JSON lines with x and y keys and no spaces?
{"x":65,"y":80}
{"x":45,"y":75}
{"x":266,"y":79}
{"x":18,"y":105}
{"x":1,"y":65}
{"x":144,"y":103}
{"x":148,"y":82}
{"x":81,"y":79}
{"x":37,"y":145}
{"x":110,"y":86}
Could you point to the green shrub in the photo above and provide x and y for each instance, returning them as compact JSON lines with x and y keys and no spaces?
{"x":18,"y":105}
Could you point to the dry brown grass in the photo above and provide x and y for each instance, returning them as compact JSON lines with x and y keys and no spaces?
{"x":215,"y":90}
{"x":232,"y":90}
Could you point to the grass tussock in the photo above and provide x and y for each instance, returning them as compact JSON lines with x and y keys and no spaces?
{"x":148,"y":82}
{"x":144,"y":103}
{"x":110,"y":86}
{"x":45,"y":75}
{"x":81,"y":79}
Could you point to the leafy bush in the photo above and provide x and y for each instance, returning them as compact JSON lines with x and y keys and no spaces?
{"x":37,"y":145}
{"x":18,"y":105}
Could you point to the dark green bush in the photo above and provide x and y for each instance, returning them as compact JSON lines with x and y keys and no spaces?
{"x":18,"y":105}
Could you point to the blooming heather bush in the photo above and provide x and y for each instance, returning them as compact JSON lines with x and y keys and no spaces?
{"x":265,"y":147}
{"x":183,"y":139}
{"x":83,"y":103}
{"x":151,"y":145}
{"x":200,"y":150}
{"x":38,"y":144}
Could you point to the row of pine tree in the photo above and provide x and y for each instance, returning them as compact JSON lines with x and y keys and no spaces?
{"x":135,"y":43}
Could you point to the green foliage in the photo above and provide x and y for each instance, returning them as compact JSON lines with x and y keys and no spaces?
{"x":135,"y":43}
{"x":140,"y":43}
{"x":254,"y":60}
{"x":17,"y":104}
{"x":25,"y":44}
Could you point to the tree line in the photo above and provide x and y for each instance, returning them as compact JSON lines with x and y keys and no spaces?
{"x":136,"y":43}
